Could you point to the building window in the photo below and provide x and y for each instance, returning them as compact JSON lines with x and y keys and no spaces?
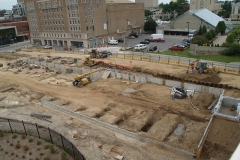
{"x":86,"y":27}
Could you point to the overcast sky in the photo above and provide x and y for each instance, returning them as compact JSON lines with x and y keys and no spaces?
{"x":7,"y":4}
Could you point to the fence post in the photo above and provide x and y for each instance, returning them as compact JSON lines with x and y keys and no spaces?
{"x":159,"y":59}
{"x":50,"y":135}
{"x":73,"y":151}
{"x":37,"y":130}
{"x":24,"y":128}
{"x":62,"y":142}
{"x":10,"y":125}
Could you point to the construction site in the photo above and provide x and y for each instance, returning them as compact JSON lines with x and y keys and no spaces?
{"x":122,"y":108}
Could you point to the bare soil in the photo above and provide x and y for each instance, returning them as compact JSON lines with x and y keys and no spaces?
{"x":146,"y":109}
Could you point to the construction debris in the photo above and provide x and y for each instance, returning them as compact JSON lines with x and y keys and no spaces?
{"x":42,"y":117}
{"x":193,"y":105}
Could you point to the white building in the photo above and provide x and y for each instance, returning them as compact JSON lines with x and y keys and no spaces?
{"x":19,"y":8}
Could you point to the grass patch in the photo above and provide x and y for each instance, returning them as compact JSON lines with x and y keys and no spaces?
{"x":30,"y":140}
{"x":23,"y":156}
{"x":17,"y":146}
{"x":52,"y":149}
{"x":46,"y":158}
{"x":39,"y":142}
{"x":46,"y":146}
{"x":185,"y":53}
{"x":23,"y":136}
{"x":63,"y":156}
{"x":14,"y":136}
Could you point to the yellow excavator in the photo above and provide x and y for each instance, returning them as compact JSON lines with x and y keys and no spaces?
{"x":83,"y":79}
{"x":90,"y":62}
{"x":202,"y":67}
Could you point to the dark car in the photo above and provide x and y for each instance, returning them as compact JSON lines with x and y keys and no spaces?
{"x":120,"y":40}
{"x":131,"y":37}
{"x":187,"y":40}
{"x":159,"y":40}
{"x":144,"y":42}
{"x":105,"y":52}
{"x":186,"y":43}
{"x":152,"y":48}
{"x":149,"y":40}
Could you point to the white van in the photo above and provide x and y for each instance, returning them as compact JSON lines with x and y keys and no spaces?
{"x":140,"y":46}
{"x":112,"y":42}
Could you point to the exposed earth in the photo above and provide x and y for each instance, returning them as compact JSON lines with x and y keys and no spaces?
{"x":145,"y":109}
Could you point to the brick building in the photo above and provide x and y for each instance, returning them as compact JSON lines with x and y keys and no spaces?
{"x":149,"y":3}
{"x":82,"y":22}
{"x":12,"y":30}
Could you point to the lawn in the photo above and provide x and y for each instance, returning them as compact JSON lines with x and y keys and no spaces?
{"x":219,"y":58}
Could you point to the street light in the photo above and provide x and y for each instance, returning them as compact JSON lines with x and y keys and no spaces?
{"x":188,"y":29}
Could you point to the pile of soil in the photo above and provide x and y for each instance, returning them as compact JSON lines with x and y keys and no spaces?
{"x":212,"y":79}
{"x":202,"y":100}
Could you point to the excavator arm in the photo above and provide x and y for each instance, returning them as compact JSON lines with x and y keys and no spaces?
{"x":78,"y":77}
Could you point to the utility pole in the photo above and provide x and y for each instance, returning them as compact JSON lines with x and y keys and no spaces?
{"x":188,"y":28}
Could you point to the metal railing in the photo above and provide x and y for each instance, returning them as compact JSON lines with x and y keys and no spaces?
{"x":42,"y":132}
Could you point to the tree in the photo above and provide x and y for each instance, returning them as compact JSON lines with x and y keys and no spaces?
{"x":148,"y":13}
{"x":199,"y":39}
{"x":234,"y":49}
{"x":150,"y":25}
{"x":200,"y":31}
{"x":209,"y":36}
{"x":180,"y":7}
{"x":221,"y":27}
{"x":213,"y":33}
{"x":204,"y":29}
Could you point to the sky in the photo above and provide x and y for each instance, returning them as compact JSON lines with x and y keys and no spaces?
{"x":7,"y":4}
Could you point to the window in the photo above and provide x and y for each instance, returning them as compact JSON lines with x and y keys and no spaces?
{"x":64,"y":35}
{"x":69,"y":15}
{"x":86,"y":21}
{"x":85,"y":7}
{"x":86,"y":27}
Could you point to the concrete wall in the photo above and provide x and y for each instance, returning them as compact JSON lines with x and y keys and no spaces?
{"x":195,"y":49}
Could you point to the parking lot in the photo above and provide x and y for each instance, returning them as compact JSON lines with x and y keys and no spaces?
{"x":169,"y":41}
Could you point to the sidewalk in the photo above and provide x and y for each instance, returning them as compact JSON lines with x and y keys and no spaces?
{"x":220,"y":40}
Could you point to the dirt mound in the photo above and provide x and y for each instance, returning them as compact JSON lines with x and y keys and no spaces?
{"x":12,"y":56}
{"x":232,"y":93}
{"x":213,"y":79}
{"x":202,"y":100}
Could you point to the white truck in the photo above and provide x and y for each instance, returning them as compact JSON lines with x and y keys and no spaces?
{"x":156,"y":36}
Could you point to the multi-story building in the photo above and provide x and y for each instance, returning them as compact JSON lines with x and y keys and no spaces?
{"x":212,"y":5}
{"x":82,"y":22}
{"x":149,"y":3}
{"x":19,"y":8}
{"x":235,"y":14}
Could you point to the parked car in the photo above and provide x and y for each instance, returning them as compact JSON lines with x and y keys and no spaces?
{"x":105,"y":52}
{"x":140,"y":46}
{"x":149,"y":40}
{"x":131,"y":37}
{"x":187,"y":40}
{"x":152,"y":48}
{"x":120,"y":40}
{"x":47,"y":47}
{"x":129,"y":47}
{"x":159,"y":40}
{"x":180,"y":45}
{"x":184,"y":42}
{"x":144,"y":42}
{"x":112,"y":42}
{"x":67,"y":49}
{"x":176,"y":48}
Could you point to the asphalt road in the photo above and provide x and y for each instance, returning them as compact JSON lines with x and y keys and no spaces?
{"x":161,"y":46}
{"x":12,"y":47}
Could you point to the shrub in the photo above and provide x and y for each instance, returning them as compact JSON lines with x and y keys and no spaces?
{"x":12,"y":153}
{"x":25,"y":148}
{"x":234,"y":49}
{"x":16,"y":155}
{"x":30,"y":153}
{"x":18,"y":141}
{"x":7,"y":141}
{"x":39,"y":149}
{"x":41,"y":154}
{"x":6,"y":152}
{"x":63,"y":156}
{"x":1,"y":149}
{"x":14,"y":136}
{"x":39,"y":142}
{"x":11,"y":144}
{"x":30,"y":140}
{"x":17,"y":146}
{"x":36,"y":158}
{"x":23,"y":156}
{"x":52,"y":149}
{"x":46,"y":146}
{"x":46,"y":158}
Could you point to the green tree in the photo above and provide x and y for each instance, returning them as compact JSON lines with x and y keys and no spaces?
{"x":180,"y":7}
{"x":199,"y":39}
{"x":230,"y":38}
{"x":150,"y":25}
{"x":234,"y":49}
{"x":221,"y":27}
{"x":200,"y":31}
{"x":213,"y":33}
{"x":209,"y":36}
{"x":148,"y":13}
{"x":204,"y":29}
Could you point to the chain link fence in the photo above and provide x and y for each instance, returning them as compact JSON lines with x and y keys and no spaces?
{"x":31,"y":129}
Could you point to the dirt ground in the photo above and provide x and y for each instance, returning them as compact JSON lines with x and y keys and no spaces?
{"x":146,"y":109}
